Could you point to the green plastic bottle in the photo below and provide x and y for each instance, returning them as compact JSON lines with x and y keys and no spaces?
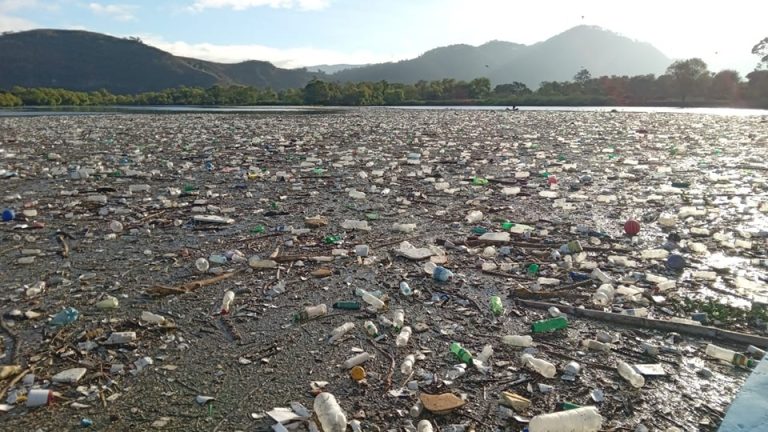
{"x":551,"y":324}
{"x":496,"y":306}
{"x":479,"y":181}
{"x":533,"y":270}
{"x":461,"y":353}
{"x":507,"y":225}
{"x":347,"y":305}
{"x":331,"y":239}
{"x":479,"y":230}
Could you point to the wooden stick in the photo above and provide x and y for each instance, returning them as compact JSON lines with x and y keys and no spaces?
{"x":633,"y":321}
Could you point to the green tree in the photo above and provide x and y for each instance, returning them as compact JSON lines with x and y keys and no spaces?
{"x":582,"y":76}
{"x":761,"y":50}
{"x":725,"y":85}
{"x":687,"y":74}
{"x":515,"y":89}
{"x":479,"y":88}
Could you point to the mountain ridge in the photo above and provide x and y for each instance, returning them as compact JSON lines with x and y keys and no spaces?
{"x":88,"y":61}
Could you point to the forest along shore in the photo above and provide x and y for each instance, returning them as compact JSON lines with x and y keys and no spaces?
{"x":380,"y":269}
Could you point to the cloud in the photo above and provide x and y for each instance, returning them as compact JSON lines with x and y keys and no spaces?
{"x":12,"y":23}
{"x":239,"y":5}
{"x":120,"y":12}
{"x":286,"y":58}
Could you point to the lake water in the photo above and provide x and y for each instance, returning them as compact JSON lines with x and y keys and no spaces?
{"x":46,"y":111}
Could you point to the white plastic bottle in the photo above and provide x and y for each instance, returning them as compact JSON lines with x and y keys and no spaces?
{"x":584,"y":419}
{"x":628,"y":373}
{"x":373,"y":300}
{"x":518,"y":341}
{"x":407,"y":366}
{"x":720,"y":353}
{"x":604,"y":295}
{"x":340,"y":331}
{"x":226,"y":303}
{"x":595,"y":345}
{"x":402,"y":338}
{"x":398,"y":318}
{"x":371,"y":329}
{"x":356,"y":360}
{"x":152,"y":318}
{"x":329,"y":413}
{"x":543,"y":367}
{"x":424,"y":426}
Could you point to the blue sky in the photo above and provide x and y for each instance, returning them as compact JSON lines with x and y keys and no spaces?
{"x":294,"y":33}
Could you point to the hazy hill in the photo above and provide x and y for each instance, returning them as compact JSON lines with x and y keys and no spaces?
{"x":601,"y":51}
{"x":79,"y":60}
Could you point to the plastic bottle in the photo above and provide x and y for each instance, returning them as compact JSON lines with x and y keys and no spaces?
{"x":496,"y":306}
{"x":416,"y":409}
{"x":402,"y":338}
{"x":729,"y":356}
{"x":441,"y":274}
{"x":152,"y":318}
{"x":347,"y":305}
{"x":474,"y":216}
{"x":405,"y":289}
{"x":604,"y":295}
{"x":108,"y":303}
{"x":543,"y":367}
{"x":356,"y":360}
{"x":517,"y":340}
{"x":310,"y":312}
{"x":226,"y":303}
{"x":456,"y":372}
{"x":424,"y":426}
{"x":584,"y":419}
{"x":461,"y":353}
{"x":407,"y":366}
{"x":594,"y":345}
{"x":65,"y":316}
{"x":549,"y":324}
{"x":638,"y":312}
{"x":340,"y":331}
{"x":371,"y":329}
{"x":398,"y":318}
{"x":373,"y":301}
{"x":628,"y":373}
{"x":386,"y":322}
{"x":329,"y":413}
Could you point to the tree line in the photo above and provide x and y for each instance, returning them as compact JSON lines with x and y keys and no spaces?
{"x":686,"y":82}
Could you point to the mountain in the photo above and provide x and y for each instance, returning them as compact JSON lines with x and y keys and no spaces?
{"x":463,"y":62}
{"x":79,"y":60}
{"x":600,"y":51}
{"x":332,"y":68}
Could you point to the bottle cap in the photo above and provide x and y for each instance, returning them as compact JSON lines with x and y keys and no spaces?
{"x":357,"y":373}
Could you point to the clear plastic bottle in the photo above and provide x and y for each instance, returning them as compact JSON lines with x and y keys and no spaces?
{"x":371,"y":329}
{"x":402,"y":338}
{"x":424,"y":426}
{"x":405,"y":289}
{"x":329,"y":413}
{"x":398,"y":318}
{"x":407,"y":366}
{"x":386,"y":322}
{"x":628,"y":373}
{"x":729,"y":356}
{"x":517,"y":340}
{"x":543,"y":367}
{"x":416,"y":409}
{"x":310,"y":312}
{"x":595,"y":345}
{"x":584,"y":419}
{"x":340,"y":331}
{"x":356,"y":360}
{"x":152,"y":318}
{"x":604,"y":295}
{"x":226,"y":302}
{"x":372,"y":300}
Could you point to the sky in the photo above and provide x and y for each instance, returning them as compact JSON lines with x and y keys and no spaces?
{"x":295,"y":33}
